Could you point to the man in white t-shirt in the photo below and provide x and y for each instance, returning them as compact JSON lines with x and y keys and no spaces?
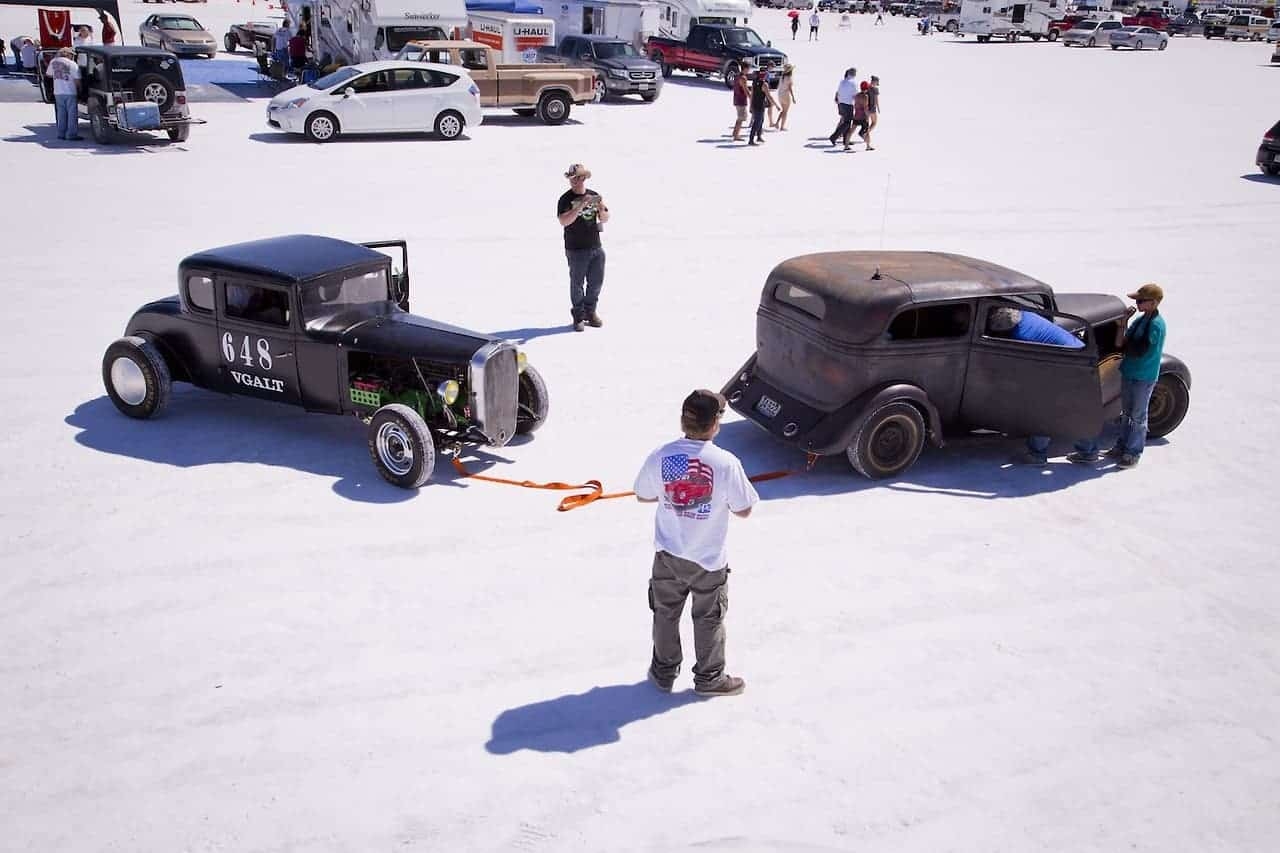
{"x":696,"y":486}
{"x":814,"y":21}
{"x":65,"y":73}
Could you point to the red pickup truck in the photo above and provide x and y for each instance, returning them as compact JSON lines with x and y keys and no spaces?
{"x":715,"y":49}
{"x":1148,"y":18}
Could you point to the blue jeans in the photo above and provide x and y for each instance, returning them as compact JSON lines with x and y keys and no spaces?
{"x":1135,"y":397}
{"x":64,"y":109}
{"x":586,"y":277}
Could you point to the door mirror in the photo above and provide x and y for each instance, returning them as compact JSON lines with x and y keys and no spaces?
{"x":348,"y":92}
{"x":586,"y":57}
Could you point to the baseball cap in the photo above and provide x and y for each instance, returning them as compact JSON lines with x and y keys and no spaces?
{"x":1148,"y":291}
{"x":576,"y":170}
{"x":701,"y":408}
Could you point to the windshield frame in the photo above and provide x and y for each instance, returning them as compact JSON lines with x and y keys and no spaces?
{"x":743,"y":37}
{"x":315,"y":309}
{"x":187,"y":19}
{"x":344,"y":74}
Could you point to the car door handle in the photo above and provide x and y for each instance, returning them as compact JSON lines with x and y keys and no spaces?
{"x":284,"y":355}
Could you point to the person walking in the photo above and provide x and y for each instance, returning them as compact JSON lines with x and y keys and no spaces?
{"x":786,"y":94}
{"x":741,"y":97}
{"x":1142,"y":344}
{"x":845,"y":93}
{"x":696,"y":486}
{"x":795,"y":25}
{"x":814,"y":20}
{"x":879,"y":18}
{"x":109,"y":32}
{"x":761,"y":97}
{"x":873,"y":102}
{"x":582,"y":213}
{"x":65,"y":73}
{"x":860,"y":117}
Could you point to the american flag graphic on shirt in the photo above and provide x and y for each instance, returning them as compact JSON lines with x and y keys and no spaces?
{"x":688,"y":482}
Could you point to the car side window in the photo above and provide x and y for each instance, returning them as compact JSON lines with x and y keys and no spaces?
{"x":370,"y":83}
{"x":801,"y":299}
{"x":439,"y":79}
{"x":474,"y":59}
{"x":200,"y":292}
{"x":928,"y":322}
{"x":404,"y":78}
{"x":257,"y":304}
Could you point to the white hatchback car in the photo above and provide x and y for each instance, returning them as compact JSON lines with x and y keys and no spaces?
{"x":1139,"y":38}
{"x":380,"y":97}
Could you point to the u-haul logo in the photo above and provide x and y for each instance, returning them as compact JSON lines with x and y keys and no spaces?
{"x":541,"y":30}
{"x":486,"y":27}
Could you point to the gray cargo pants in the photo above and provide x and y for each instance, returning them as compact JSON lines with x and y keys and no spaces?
{"x":673,"y":580}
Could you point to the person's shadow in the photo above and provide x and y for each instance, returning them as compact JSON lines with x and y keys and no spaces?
{"x":581,"y":720}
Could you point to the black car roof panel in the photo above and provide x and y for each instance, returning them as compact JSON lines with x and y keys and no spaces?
{"x":297,"y":257}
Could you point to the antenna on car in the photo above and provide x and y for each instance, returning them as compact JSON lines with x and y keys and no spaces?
{"x":884,"y":213}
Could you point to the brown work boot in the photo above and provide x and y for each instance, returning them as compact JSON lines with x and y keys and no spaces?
{"x":579,"y":326}
{"x":725,"y":685}
{"x":594,"y":321}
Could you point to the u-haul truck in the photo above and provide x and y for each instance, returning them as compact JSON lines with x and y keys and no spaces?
{"x":516,"y":37}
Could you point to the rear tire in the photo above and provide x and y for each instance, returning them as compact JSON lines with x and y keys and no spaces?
{"x":99,"y":128}
{"x":136,"y":377}
{"x":154,"y":88}
{"x":534,"y":402}
{"x":1169,"y":403}
{"x":1273,"y":171}
{"x":888,"y":442}
{"x":554,"y":108}
{"x":450,"y":124}
{"x":1053,"y":35}
{"x":401,"y":446}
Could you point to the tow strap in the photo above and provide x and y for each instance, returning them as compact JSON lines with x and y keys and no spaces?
{"x":595,"y":489}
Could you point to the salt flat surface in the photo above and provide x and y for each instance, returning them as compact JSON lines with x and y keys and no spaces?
{"x":219,"y":630}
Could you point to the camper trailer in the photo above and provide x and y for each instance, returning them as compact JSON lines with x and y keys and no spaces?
{"x":676,"y":16}
{"x":350,"y":31}
{"x":515,"y":37}
{"x":1010,"y":19}
{"x":632,"y":21}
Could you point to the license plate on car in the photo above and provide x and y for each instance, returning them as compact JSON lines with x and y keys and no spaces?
{"x":768,"y":406}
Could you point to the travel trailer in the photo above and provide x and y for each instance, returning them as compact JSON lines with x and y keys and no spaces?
{"x":1010,"y":19}
{"x":630,"y":20}
{"x":676,"y":16}
{"x":515,"y":37}
{"x":351,"y":31}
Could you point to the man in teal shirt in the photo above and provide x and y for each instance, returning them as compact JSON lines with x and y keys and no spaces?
{"x":1143,"y":344}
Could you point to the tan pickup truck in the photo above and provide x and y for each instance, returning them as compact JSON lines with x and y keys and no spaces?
{"x":545,"y":90}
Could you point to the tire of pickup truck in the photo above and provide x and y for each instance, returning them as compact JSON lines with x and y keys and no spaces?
{"x":730,"y":73}
{"x":553,"y":108}
{"x":229,"y":43}
{"x":656,"y":56}
{"x":1053,"y":35}
{"x":1035,"y":37}
{"x":401,"y":446}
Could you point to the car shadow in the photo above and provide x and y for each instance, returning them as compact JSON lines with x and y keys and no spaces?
{"x":46,"y":136}
{"x":280,"y":137}
{"x":1259,"y":178}
{"x":994,"y":40}
{"x":579,"y":721}
{"x":201,"y":427}
{"x":523,"y":336}
{"x":697,"y":83}
{"x":522,"y":121}
{"x":970,"y":466}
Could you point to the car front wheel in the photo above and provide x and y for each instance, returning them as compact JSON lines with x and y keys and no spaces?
{"x":1092,"y":42}
{"x":534,"y":402}
{"x":1170,"y":400}
{"x":1163,"y":45}
{"x":229,"y":43}
{"x":449,"y":125}
{"x":321,"y":127}
{"x":401,"y":446}
{"x":888,"y":442}
{"x":136,"y":377}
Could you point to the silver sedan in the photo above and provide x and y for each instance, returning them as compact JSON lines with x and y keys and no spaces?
{"x":1089,"y":33}
{"x":1138,"y":38}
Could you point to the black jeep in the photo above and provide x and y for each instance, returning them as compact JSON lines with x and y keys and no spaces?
{"x":869,"y":353}
{"x":325,"y":324}
{"x":132,"y":88}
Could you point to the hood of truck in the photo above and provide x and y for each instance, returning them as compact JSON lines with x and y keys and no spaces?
{"x":409,"y":335}
{"x":629,"y":63}
{"x":758,"y":52}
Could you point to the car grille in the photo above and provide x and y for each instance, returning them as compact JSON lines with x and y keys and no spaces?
{"x":495,"y":389}
{"x":641,"y":75}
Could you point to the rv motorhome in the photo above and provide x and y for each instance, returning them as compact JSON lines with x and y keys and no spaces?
{"x":351,"y":31}
{"x":632,"y":21}
{"x":676,"y":16}
{"x":1010,"y":19}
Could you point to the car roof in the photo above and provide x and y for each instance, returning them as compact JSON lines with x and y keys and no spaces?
{"x":858,"y":305}
{"x":297,"y":257}
{"x":123,"y":50}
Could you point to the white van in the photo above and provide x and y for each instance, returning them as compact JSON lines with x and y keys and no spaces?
{"x":1248,"y":27}
{"x":515,"y":37}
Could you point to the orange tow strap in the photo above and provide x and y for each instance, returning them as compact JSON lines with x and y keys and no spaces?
{"x":595,"y":489}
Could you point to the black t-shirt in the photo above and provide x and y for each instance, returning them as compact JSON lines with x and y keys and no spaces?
{"x":583,"y":232}
{"x":758,"y":98}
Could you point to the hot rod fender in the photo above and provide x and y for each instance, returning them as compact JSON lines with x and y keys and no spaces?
{"x":836,"y":432}
{"x":1173,"y":364}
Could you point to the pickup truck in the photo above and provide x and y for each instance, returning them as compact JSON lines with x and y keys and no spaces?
{"x":547,"y":91}
{"x":1147,"y":18}
{"x":715,"y":49}
{"x":620,"y":69}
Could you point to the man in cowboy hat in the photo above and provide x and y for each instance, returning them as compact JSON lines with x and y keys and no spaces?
{"x":1142,"y":344}
{"x":582,"y":213}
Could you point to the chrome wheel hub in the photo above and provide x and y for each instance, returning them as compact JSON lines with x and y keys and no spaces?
{"x":395,"y":450}
{"x":127,"y":380}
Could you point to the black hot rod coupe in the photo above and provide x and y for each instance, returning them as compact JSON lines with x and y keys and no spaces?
{"x":325,"y":324}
